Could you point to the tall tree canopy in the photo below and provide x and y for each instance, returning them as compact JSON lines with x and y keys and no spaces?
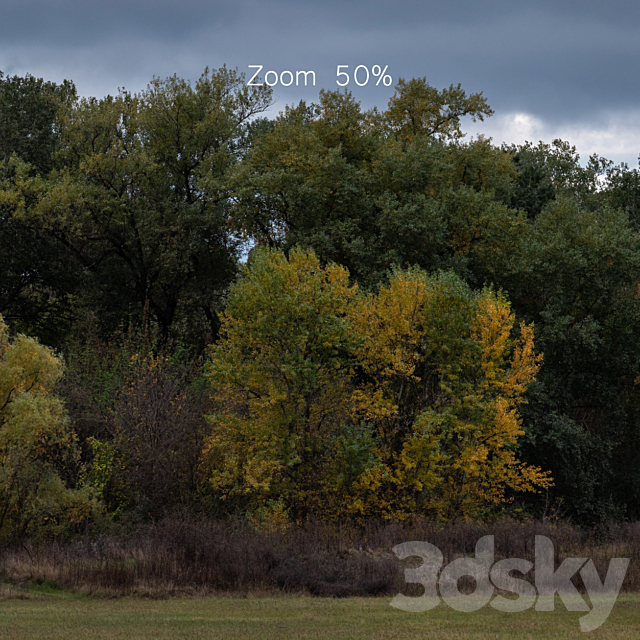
{"x":36,"y":276}
{"x":141,"y":206}
{"x":338,"y":180}
{"x":139,"y":200}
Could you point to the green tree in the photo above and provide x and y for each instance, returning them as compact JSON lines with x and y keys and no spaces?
{"x":547,"y":171}
{"x":140,"y":202}
{"x":332,"y":178}
{"x":29,"y":110}
{"x":623,"y":191}
{"x":417,"y":108}
{"x":577,"y":280}
{"x":36,"y":275}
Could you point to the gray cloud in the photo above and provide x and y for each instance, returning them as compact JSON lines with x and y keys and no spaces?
{"x":82,"y":22}
{"x":567,"y":64}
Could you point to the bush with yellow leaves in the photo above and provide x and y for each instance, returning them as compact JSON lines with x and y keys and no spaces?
{"x":37,"y":446}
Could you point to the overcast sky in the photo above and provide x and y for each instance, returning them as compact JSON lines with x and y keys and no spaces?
{"x":563,"y":68}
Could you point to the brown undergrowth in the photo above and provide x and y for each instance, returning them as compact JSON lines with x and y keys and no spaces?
{"x":184,"y":555}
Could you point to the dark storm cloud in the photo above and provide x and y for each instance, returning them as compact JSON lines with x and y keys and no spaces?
{"x":95,"y":20}
{"x":474,"y":13}
{"x":560,"y":61}
{"x":76,"y":23}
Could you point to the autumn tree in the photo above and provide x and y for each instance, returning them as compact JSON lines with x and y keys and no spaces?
{"x":40,"y":466}
{"x":443,"y":381}
{"x":342,"y":403}
{"x":281,"y":374}
{"x":138,"y":405}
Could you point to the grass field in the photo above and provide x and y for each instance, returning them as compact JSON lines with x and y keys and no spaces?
{"x":51,"y":614}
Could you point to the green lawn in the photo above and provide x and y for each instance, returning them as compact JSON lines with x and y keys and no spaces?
{"x":56,"y":615}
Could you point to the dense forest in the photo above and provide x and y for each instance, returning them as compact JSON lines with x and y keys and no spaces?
{"x":334,"y":313}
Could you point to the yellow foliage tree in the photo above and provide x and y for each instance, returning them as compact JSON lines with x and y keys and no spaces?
{"x":281,"y":374}
{"x":444,"y":381}
{"x":36,"y":442}
{"x":344,"y":403}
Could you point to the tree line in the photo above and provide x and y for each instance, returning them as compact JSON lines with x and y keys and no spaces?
{"x":336,"y":311}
